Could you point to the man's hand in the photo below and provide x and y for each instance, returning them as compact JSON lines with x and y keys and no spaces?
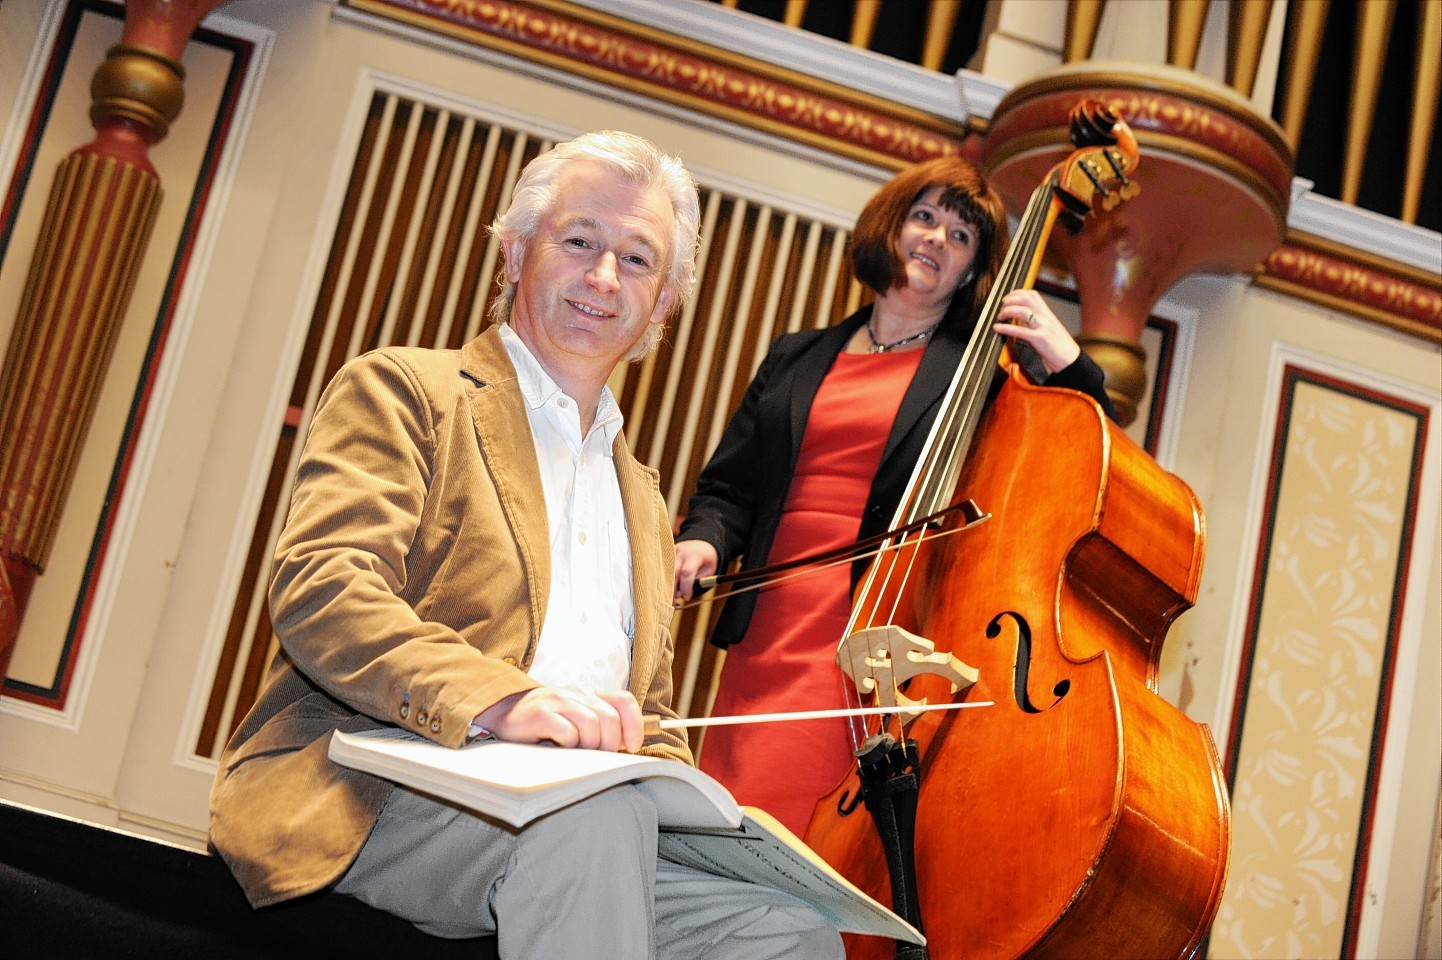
{"x":569,"y":717}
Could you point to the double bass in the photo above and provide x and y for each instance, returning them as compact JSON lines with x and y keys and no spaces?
{"x":1079,"y":814}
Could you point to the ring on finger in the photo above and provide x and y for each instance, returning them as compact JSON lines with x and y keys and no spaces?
{"x":1031,"y":320}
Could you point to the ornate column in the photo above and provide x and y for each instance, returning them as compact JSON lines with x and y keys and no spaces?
{"x":1215,"y":180}
{"x":97,"y":224}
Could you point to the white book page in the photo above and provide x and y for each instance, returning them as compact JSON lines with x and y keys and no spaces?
{"x":518,"y":782}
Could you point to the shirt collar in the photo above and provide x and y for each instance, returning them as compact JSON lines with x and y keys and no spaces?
{"x":538,"y":387}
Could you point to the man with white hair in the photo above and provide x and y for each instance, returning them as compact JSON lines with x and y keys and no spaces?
{"x":471,"y":550}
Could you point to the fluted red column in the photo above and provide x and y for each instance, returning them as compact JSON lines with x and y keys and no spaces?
{"x":97,"y":224}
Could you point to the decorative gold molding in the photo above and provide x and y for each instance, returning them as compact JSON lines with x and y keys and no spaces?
{"x":1162,"y":81}
{"x":634,"y":57}
{"x":141,"y":85}
{"x":1341,"y":278}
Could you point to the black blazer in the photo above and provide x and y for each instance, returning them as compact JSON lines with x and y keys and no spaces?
{"x":743,"y":487}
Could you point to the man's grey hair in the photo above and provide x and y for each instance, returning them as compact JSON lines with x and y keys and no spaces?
{"x":639,"y":162}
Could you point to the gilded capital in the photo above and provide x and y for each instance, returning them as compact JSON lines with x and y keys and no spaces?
{"x":1123,"y":361}
{"x":140,"y":84}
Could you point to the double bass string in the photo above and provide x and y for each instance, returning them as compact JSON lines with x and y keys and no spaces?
{"x":910,"y":546}
{"x":940,"y":465}
{"x":937,"y":472}
{"x":978,"y":367}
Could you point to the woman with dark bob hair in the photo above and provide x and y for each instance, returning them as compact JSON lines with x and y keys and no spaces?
{"x":817,"y":456}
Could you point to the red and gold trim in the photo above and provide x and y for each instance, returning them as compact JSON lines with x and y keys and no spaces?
{"x":1346,"y":279}
{"x":633,"y":57}
{"x":1171,"y":107}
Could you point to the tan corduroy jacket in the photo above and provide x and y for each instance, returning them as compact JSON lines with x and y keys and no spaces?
{"x":409,"y":589}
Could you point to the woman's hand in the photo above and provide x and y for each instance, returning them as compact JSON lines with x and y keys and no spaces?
{"x":1024,"y":315}
{"x":694,"y":559}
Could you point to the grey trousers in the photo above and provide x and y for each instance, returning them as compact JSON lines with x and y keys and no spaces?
{"x":582,"y":883}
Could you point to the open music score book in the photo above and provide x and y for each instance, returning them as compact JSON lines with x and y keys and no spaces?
{"x":701,"y":824}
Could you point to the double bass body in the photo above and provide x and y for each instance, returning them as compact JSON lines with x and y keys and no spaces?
{"x":1081,"y":815}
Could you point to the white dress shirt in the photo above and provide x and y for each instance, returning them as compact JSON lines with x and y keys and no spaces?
{"x":590,"y":616}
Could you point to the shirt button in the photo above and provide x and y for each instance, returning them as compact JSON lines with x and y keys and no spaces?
{"x":421,"y":718}
{"x":562,"y":403}
{"x":583,"y":616}
{"x":405,"y":710}
{"x":581,"y":536}
{"x":436,"y":725}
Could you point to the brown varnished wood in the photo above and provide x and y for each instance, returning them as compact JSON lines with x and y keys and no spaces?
{"x":1081,"y":815}
{"x":1098,"y":825}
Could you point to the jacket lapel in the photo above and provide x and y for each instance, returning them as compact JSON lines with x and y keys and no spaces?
{"x":933,"y":376}
{"x":639,"y":489}
{"x":504,"y":433}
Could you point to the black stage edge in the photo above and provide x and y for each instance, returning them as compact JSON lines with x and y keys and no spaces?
{"x":74,"y":891}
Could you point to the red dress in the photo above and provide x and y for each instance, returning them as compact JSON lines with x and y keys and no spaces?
{"x":787,"y":661}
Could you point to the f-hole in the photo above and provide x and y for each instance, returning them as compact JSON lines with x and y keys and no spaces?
{"x":1023,"y":661}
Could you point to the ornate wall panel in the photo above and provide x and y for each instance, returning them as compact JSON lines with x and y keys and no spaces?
{"x":1320,"y":660}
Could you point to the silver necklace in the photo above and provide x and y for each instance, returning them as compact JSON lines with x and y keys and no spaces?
{"x":878,"y":347}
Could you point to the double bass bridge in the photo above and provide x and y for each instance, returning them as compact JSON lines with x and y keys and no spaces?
{"x":881,"y":660}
